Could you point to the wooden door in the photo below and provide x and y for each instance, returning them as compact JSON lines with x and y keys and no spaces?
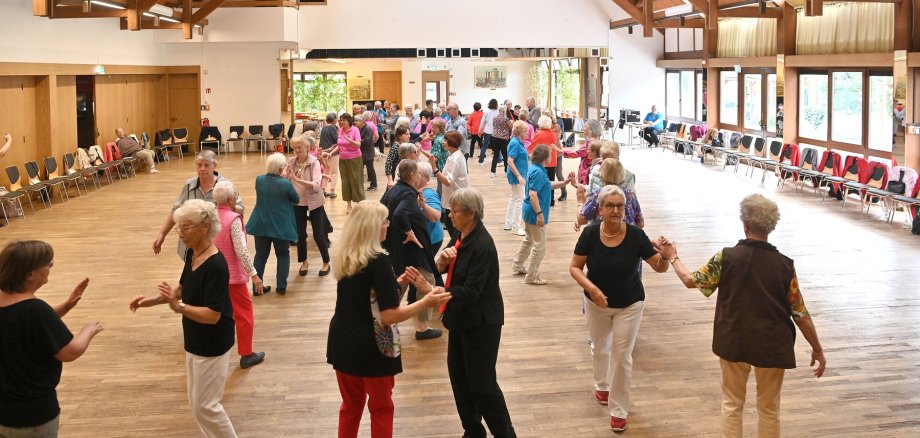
{"x":388,"y":86}
{"x":435,"y":86}
{"x":184,"y":104}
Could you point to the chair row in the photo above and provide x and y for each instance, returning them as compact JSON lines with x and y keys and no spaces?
{"x":211,"y":137}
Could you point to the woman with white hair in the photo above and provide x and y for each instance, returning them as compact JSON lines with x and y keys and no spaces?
{"x":616,"y":297}
{"x":231,"y":241}
{"x":203,"y":300}
{"x":545,"y":135}
{"x":758,"y":295}
{"x":305,"y":173}
{"x":272,"y":222}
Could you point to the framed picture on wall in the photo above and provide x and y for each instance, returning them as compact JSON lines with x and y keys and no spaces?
{"x":490,"y":77}
{"x":360,"y":89}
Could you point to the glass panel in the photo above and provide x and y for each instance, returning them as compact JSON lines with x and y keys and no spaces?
{"x":687,"y":98}
{"x":320,"y":92}
{"x":813,"y":106}
{"x":431,"y":91}
{"x":567,"y":87}
{"x":771,"y":103}
{"x":753,"y":101}
{"x":848,"y":107}
{"x":699,"y":98}
{"x":672,"y":106}
{"x":728,"y":97}
{"x":881,"y":113}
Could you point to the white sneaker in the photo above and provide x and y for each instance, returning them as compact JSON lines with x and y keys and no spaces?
{"x":492,"y":175}
{"x":154,"y":171}
{"x":481,"y":164}
{"x":518,"y":232}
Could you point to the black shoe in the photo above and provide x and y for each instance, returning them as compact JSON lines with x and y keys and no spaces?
{"x":428,"y":334}
{"x":303,"y":272}
{"x":281,"y":291}
{"x":325,"y":272}
{"x":371,"y":188}
{"x":563,"y":197}
{"x":252,"y":360}
{"x":265,"y":290}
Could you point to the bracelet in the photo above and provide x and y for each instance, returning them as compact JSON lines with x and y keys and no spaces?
{"x":436,"y":171}
{"x":671,"y":260}
{"x":538,"y":212}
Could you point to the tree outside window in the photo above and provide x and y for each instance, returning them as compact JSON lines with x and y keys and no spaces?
{"x":320,"y":92}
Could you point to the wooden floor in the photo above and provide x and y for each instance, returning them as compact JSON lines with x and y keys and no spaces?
{"x":858,"y":275}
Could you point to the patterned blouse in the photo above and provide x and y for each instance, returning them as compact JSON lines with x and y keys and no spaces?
{"x":239,"y":247}
{"x":437,"y":149}
{"x":707,"y":281}
{"x":633,"y":211}
{"x":389,"y":166}
{"x":500,"y":128}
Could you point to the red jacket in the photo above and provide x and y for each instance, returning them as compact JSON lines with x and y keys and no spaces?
{"x":473,"y":122}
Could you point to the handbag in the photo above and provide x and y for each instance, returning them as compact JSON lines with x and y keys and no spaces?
{"x":386,"y":337}
{"x":898,"y":186}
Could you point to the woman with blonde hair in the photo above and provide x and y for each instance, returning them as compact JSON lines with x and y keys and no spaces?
{"x":363,"y":344}
{"x":272,"y":222}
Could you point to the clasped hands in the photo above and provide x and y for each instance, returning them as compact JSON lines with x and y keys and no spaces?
{"x":432,"y":296}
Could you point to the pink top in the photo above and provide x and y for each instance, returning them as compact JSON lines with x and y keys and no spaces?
{"x":310,"y":192}
{"x":348,"y":151}
{"x":426,"y":145}
{"x":529,"y":137}
{"x":233,"y":248}
{"x":584,"y":167}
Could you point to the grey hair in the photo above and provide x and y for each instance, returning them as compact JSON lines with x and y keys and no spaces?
{"x":401,"y":121}
{"x":405,"y":168}
{"x":223,"y":191}
{"x":545,"y":122}
{"x":467,"y":199}
{"x":207,"y":155}
{"x":607,"y":191}
{"x":199,"y":211}
{"x":593,"y":128}
{"x":275,"y":162}
{"x":359,"y":118}
{"x":424,"y":168}
{"x":405,"y":149}
{"x":759,"y":213}
{"x":540,"y":154}
{"x":369,"y":116}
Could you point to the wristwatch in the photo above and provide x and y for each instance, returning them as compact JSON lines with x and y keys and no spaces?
{"x":181,"y":307}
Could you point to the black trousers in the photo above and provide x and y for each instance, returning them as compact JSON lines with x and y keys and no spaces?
{"x":499,"y":147}
{"x":449,"y":224}
{"x":551,"y":173}
{"x":318,"y":221}
{"x":471,"y":358}
{"x":371,"y":173}
{"x":650,"y":135}
{"x":474,"y":139}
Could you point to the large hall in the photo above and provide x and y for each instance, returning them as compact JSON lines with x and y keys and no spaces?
{"x":725,"y":112}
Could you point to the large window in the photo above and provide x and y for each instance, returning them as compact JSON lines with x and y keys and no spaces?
{"x":728,"y":97}
{"x":672,"y":104}
{"x":683,"y":90}
{"x":848,"y":105}
{"x":687,"y":95}
{"x":319,"y":92}
{"x":753,"y":96}
{"x":771,"y":102}
{"x":881,"y":119}
{"x":813,"y":106}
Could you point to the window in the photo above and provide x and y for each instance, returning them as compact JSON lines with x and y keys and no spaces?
{"x":728,"y":97}
{"x":771,"y":102}
{"x":813,"y":106}
{"x":687,"y":95}
{"x":567,"y":84}
{"x":753,"y":94}
{"x":319,"y":92}
{"x":672,"y":104}
{"x":848,"y":106}
{"x":881,"y":117}
{"x":683,"y":89}
{"x":700,"y":105}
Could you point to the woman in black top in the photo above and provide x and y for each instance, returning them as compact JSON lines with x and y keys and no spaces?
{"x":203,"y":300}
{"x":613,"y":287}
{"x":33,"y":341}
{"x":362,"y":347}
{"x":474,"y":316}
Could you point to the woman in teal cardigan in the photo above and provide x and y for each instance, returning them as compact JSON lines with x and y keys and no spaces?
{"x":272,"y":221}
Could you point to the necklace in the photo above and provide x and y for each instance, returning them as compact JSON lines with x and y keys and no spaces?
{"x":202,"y":253}
{"x":610,"y":236}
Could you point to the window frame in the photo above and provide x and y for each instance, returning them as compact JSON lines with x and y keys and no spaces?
{"x":862,"y":148}
{"x":300,"y":76}
{"x":696,"y":96}
{"x":764,"y":73}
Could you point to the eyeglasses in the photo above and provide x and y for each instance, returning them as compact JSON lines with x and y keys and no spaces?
{"x":186,"y":228}
{"x":611,"y":206}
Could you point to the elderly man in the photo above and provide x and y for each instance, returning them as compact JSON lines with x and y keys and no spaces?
{"x":129,"y":147}
{"x":758,"y":302}
{"x":442,"y":107}
{"x":533,"y":111}
{"x":413,"y":118}
{"x":654,"y":124}
{"x":457,"y":123}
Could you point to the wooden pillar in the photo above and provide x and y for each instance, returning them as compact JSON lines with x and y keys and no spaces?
{"x":45,"y":115}
{"x":712,"y":98}
{"x":791,"y":105}
{"x":648,"y":11}
{"x":912,"y":142}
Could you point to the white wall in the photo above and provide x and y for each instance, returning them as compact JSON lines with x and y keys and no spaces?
{"x":635,"y":82}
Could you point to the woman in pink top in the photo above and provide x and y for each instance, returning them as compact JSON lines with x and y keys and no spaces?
{"x":593,"y":133}
{"x":231,"y":242}
{"x":350,"y":163}
{"x":305,"y":172}
{"x":422,"y":131}
{"x":528,"y":140}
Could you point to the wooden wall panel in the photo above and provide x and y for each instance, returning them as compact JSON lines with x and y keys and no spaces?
{"x":66,"y":116}
{"x":133,"y":102}
{"x":184,"y":104}
{"x":17,"y":117}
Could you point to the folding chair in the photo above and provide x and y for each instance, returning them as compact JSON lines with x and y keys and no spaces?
{"x":212,"y":133}
{"x":35,"y":178}
{"x":255,"y":136}
{"x":238,"y":130}
{"x":165,"y":144}
{"x":180,"y":139}
{"x":277,"y":136}
{"x":16,"y":196}
{"x":51,"y":169}
{"x":12,"y":172}
{"x":91,"y":172}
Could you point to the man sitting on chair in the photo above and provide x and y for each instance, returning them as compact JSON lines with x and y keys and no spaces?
{"x":654,"y":124}
{"x":129,"y":147}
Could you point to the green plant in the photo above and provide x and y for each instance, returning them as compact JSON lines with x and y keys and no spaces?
{"x":538,"y":82}
{"x":320,"y":93}
{"x":815,"y":117}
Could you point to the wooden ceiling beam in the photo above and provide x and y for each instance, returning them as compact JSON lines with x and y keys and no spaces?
{"x":814,"y":8}
{"x":206,"y":9}
{"x":648,"y":12}
{"x":751,"y":12}
{"x":76,"y":12}
{"x":675,"y":23}
{"x":186,"y":19}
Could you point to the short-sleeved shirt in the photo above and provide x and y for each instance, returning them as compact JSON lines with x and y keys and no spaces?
{"x":656,"y":119}
{"x":352,"y":347}
{"x":456,"y":173}
{"x":435,"y":230}
{"x":613,"y":269}
{"x":348,"y":151}
{"x":207,"y":286}
{"x":30,"y":335}
{"x":518,"y":155}
{"x":328,"y":136}
{"x":537,"y":181}
{"x":708,"y":276}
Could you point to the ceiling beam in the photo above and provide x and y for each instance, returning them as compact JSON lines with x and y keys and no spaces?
{"x":814,"y":8}
{"x":136,"y":9}
{"x":632,"y":22}
{"x":675,"y":23}
{"x":186,"y":19}
{"x":751,"y":12}
{"x":206,"y":9}
{"x":648,"y":12}
{"x":77,"y":12}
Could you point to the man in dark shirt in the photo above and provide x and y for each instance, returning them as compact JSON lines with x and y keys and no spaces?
{"x":129,"y":147}
{"x":328,"y":142}
{"x":368,"y":138}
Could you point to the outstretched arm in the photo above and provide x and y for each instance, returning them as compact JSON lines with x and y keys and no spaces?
{"x":7,"y":142}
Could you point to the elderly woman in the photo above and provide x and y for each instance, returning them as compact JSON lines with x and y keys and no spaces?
{"x":546,"y":136}
{"x":432,"y":207}
{"x":438,"y":150}
{"x":474,"y":318}
{"x":369,"y":137}
{"x":614,"y":287}
{"x":198,"y":187}
{"x":758,"y":293}
{"x":535,"y":214}
{"x":501,"y":135}
{"x":34,"y":341}
{"x":516,"y":168}
{"x":593,"y":133}
{"x":272,"y":222}
{"x":421,"y":134}
{"x":408,"y":241}
{"x":486,"y":128}
{"x":305,"y":173}
{"x":350,"y":161}
{"x":231,"y":241}
{"x":363,"y":345}
{"x":611,"y":173}
{"x":203,"y":300}
{"x":389,"y":167}
{"x":328,"y":142}
{"x":454,"y":175}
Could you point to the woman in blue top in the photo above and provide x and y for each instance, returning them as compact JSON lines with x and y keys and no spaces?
{"x":535,"y":212}
{"x":516,"y":169}
{"x":272,"y":221}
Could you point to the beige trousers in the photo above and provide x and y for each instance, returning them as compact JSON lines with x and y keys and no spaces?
{"x":534,"y":245}
{"x":734,"y":388}
{"x":206,"y":379}
{"x":145,"y":156}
